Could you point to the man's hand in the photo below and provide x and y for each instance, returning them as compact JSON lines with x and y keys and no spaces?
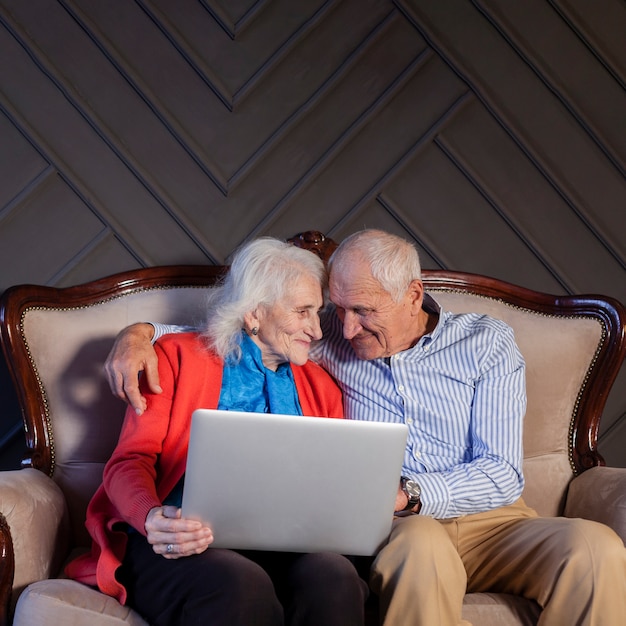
{"x":131,"y":354}
{"x":401,"y":500}
{"x":172,"y":536}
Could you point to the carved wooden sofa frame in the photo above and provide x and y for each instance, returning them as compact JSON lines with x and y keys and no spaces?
{"x":55,"y":341}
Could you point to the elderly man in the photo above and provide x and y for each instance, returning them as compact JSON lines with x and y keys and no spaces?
{"x":457,"y":381}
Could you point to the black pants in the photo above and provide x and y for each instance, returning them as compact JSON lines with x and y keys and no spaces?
{"x":225,"y":587}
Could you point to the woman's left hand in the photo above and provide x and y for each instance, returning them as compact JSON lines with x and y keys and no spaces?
{"x":172,"y":536}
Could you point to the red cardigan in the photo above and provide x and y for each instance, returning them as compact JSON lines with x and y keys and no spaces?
{"x":150,"y":456}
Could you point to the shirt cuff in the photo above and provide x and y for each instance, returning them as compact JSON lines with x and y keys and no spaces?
{"x":166,"y":329}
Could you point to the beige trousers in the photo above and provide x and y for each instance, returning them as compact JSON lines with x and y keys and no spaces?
{"x":575,"y":569}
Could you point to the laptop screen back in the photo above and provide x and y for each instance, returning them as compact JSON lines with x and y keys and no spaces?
{"x":292,"y":483}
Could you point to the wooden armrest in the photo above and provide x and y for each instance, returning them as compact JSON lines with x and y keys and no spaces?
{"x":599,"y":494}
{"x":37,"y":533}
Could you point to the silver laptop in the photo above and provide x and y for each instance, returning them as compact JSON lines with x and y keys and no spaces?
{"x":291,"y":483}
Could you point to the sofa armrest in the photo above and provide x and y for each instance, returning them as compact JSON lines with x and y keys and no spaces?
{"x":36,"y":514}
{"x":599,"y":494}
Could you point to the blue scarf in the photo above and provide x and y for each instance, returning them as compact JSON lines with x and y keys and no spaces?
{"x":248,"y":385}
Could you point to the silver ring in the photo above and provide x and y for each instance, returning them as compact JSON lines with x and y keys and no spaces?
{"x":170,"y":548}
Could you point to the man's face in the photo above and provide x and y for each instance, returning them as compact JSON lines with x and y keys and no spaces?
{"x":375,"y":325}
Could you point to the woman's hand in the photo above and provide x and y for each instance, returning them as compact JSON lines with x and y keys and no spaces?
{"x":172,"y":536}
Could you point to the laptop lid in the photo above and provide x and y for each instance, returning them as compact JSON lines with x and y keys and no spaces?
{"x":292,"y":483}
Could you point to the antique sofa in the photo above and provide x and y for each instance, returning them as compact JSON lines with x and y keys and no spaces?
{"x":55,"y":342}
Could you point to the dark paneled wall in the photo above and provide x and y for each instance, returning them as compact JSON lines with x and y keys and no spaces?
{"x":493,"y":133}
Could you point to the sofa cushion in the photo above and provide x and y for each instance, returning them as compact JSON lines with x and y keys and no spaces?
{"x":496,"y":609}
{"x":60,"y":602}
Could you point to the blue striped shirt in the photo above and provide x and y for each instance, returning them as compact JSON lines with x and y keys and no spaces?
{"x":461,"y":392}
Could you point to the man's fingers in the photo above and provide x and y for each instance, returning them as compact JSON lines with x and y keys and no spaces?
{"x":133,"y":396}
{"x":127,"y":391}
{"x":132,"y":353}
{"x":151,"y":372}
{"x":116,"y":383}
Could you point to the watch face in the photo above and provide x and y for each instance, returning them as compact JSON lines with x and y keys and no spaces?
{"x":412,"y":490}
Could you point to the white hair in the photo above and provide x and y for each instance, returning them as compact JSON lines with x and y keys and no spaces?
{"x":393,"y":261}
{"x":262,"y":272}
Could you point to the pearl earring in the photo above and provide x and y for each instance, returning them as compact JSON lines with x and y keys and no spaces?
{"x":255,"y":331}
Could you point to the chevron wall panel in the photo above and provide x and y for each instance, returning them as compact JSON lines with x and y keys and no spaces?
{"x":144,"y":132}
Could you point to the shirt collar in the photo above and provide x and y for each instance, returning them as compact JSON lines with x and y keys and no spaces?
{"x":430,"y":305}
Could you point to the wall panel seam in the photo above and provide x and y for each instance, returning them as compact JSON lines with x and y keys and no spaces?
{"x":577,"y":114}
{"x":294,"y":118}
{"x":423,"y":142}
{"x":179,"y":134}
{"x":526,"y":147}
{"x":342,"y":140}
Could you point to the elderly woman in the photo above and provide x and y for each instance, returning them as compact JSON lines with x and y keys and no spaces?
{"x":252,"y":356}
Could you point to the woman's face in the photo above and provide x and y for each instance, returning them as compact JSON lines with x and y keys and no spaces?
{"x":287,"y":328}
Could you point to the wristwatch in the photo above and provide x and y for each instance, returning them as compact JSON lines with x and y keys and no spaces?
{"x":412,"y":490}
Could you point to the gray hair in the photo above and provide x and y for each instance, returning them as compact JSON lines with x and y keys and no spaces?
{"x":394,"y":262}
{"x":262,"y":272}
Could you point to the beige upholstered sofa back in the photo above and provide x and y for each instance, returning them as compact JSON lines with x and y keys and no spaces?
{"x":71,"y":344}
